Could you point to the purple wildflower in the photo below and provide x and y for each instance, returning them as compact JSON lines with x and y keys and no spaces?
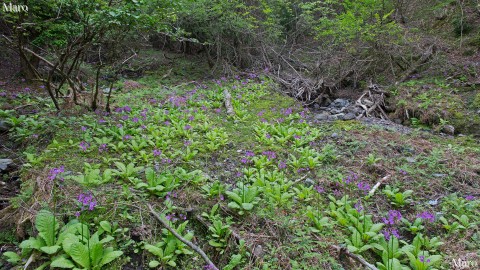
{"x":244,"y":160}
{"x":84,"y":128}
{"x":393,"y":217}
{"x":287,"y":111}
{"x":102,"y":148}
{"x":319,"y":189}
{"x":422,"y":259}
{"x":363,"y":186}
{"x":87,"y":201}
{"x":387,"y":233}
{"x":218,"y":110}
{"x":166,"y":123}
{"x":191,"y":118}
{"x":127,"y":137}
{"x":84,"y":145}
{"x":270,"y":154}
{"x":187,"y":127}
{"x":187,"y":143}
{"x":469,"y":197}
{"x":54,"y":172}
{"x":249,"y":153}
{"x":268,"y":136}
{"x":135,"y":119}
{"x":358,"y":206}
{"x":157,"y":152}
{"x":427,"y":216}
{"x":282,"y":165}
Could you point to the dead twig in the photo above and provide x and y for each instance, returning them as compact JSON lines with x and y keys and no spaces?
{"x":377,"y":185}
{"x":185,"y":241}
{"x":343,"y":251}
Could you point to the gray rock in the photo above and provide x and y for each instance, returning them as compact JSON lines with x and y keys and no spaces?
{"x":478,"y":112}
{"x":411,"y":159}
{"x":433,"y":202}
{"x":309,"y":182}
{"x":4,"y":126}
{"x":397,"y":121}
{"x":4,"y":163}
{"x":353,"y":109}
{"x":322,"y":116}
{"x":334,"y":135}
{"x":439,"y":175}
{"x":339,"y":103}
{"x":349,"y":116}
{"x":448,"y":129}
{"x":336,"y":116}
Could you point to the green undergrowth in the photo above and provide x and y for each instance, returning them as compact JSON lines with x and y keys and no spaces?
{"x":434,"y":103}
{"x":262,"y":188}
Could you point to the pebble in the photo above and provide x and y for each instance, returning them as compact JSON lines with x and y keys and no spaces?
{"x":439,"y":175}
{"x":309,"y":182}
{"x":322,"y":116}
{"x":4,"y":163}
{"x":411,"y":159}
{"x":334,"y":135}
{"x":349,"y":116}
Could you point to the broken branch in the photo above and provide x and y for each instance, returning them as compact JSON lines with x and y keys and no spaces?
{"x":185,"y":241}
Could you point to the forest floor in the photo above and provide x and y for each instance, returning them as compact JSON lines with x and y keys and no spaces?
{"x":265,"y":188}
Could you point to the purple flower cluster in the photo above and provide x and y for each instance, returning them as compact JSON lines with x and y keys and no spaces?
{"x":363,"y":186}
{"x":352,"y":177}
{"x":393,"y":217}
{"x":84,"y":145}
{"x":157,"y":152}
{"x":388,"y":232}
{"x":469,"y":198}
{"x":270,"y":154}
{"x":170,"y":195}
{"x":126,"y":109}
{"x":288,"y":111}
{"x":102,"y":148}
{"x":87,"y":201}
{"x":282,"y":165}
{"x":427,"y":216}
{"x":358,"y":206}
{"x":54,"y":172}
{"x":319,"y":189}
{"x":422,"y":259}
{"x":174,"y":217}
{"x":178,"y":101}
